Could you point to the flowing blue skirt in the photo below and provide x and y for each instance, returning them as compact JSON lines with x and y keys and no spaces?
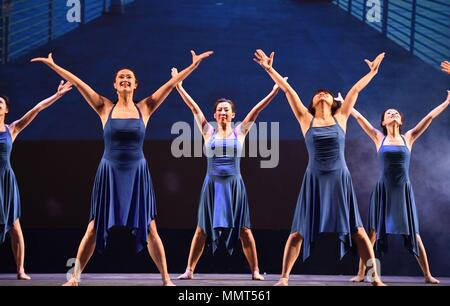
{"x":9,"y":201}
{"x":223,"y":210}
{"x":326,"y":204}
{"x":392,"y":210}
{"x":123,"y":196}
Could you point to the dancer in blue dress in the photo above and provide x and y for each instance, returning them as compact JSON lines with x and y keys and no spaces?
{"x":327,"y":201}
{"x":123,"y":194}
{"x":223,"y":213}
{"x":392,"y":208}
{"x":10,"y":210}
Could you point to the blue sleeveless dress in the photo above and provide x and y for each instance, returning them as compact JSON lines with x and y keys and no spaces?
{"x":327,"y":202}
{"x":123,"y":193}
{"x":392,"y":207}
{"x":9,"y":192}
{"x":223,"y":209}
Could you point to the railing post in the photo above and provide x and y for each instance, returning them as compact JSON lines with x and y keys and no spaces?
{"x":105,"y":7}
{"x":118,"y":6}
{"x":384,"y":17}
{"x":364,"y":11}
{"x":2,"y":30}
{"x":5,"y":8}
{"x":83,"y":12}
{"x":50,"y":20}
{"x":413,"y":26}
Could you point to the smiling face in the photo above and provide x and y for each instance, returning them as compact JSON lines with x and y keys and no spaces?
{"x":4,"y":105}
{"x":125,"y":81}
{"x":224,"y":112}
{"x":389,"y":117}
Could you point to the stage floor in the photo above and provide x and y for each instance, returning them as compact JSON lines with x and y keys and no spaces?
{"x":206,"y":280}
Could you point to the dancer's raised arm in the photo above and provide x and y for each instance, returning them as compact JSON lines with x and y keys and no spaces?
{"x":352,"y":95}
{"x":413,"y":134}
{"x":96,"y":101}
{"x":374,"y":134}
{"x":205,"y":128}
{"x":245,"y":125}
{"x":300,"y":110}
{"x":151,"y":103}
{"x":17,"y":126}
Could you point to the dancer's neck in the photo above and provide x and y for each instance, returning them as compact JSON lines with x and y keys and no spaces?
{"x":224,"y":130}
{"x":125,"y":100}
{"x":393,"y":131}
{"x":323,"y":112}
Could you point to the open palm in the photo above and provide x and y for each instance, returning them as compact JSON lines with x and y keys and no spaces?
{"x":263,"y":60}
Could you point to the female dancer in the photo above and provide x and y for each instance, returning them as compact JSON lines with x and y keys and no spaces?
{"x":327,"y":202}
{"x":392,"y":206}
{"x":223,"y":214}
{"x":9,"y":191}
{"x":123,"y":193}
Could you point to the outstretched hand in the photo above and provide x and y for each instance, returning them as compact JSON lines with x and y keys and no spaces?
{"x":63,"y":88}
{"x":174,"y":73}
{"x":375,"y":64}
{"x":46,"y":60}
{"x":448,"y":97}
{"x":445,"y":66}
{"x":197,"y":59}
{"x":339,"y":98}
{"x":263,"y":60}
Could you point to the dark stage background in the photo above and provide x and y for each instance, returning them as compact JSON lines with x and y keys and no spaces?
{"x":317,"y":45}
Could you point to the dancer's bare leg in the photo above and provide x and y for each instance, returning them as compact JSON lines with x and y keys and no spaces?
{"x":362,"y":265}
{"x":85,"y":251}
{"x":366,"y":253}
{"x":18,"y":248}
{"x":249,"y":248}
{"x":156,"y":250}
{"x":423,"y":263}
{"x":291,"y":252}
{"x":197,"y":246}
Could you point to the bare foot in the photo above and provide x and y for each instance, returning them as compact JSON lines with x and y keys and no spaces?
{"x":431,"y":280}
{"x":23,"y":276}
{"x":257,"y":276}
{"x":358,"y":279}
{"x":71,"y":283}
{"x":378,"y":283}
{"x":168,"y":283}
{"x":189,"y":274}
{"x":282,"y":282}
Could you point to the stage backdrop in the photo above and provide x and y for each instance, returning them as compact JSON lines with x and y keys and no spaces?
{"x":317,"y":45}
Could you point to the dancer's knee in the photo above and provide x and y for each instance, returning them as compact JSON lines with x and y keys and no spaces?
{"x":246,"y":234}
{"x":199,"y":233}
{"x":91,"y":232}
{"x":360,"y":234}
{"x":295,"y":238}
{"x":15,"y":230}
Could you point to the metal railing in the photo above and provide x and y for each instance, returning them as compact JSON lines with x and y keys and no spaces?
{"x":27,"y":24}
{"x":420,"y":26}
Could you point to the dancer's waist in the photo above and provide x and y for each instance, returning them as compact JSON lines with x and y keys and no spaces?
{"x":123,"y":155}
